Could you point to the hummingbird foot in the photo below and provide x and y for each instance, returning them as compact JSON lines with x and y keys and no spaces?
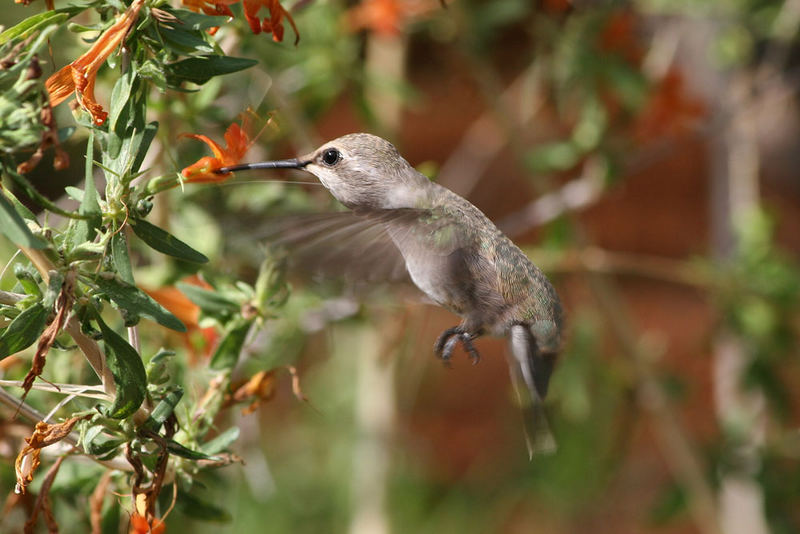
{"x":448,"y":340}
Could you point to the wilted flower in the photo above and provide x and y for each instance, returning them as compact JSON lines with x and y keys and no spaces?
{"x":79,"y":76}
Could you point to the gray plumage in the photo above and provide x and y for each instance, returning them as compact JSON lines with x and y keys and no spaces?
{"x":456,"y":256}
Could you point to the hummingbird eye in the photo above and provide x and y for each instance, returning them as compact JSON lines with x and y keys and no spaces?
{"x":331,"y":157}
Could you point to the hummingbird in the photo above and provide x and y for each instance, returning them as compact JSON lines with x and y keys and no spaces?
{"x":455,"y":255}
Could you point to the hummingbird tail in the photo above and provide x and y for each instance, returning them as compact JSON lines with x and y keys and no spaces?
{"x":530,"y":374}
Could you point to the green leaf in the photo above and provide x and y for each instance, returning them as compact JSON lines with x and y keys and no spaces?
{"x":196,"y":508}
{"x":120,"y":257}
{"x":82,"y":230}
{"x":165,"y":242}
{"x":120,"y":97}
{"x":184,"y":452}
{"x":157,"y":370}
{"x":198,"y":21}
{"x":128,"y":371}
{"x":221,"y":442}
{"x":14,"y":227}
{"x":135,"y":301}
{"x":140,"y":143}
{"x":202,"y":68}
{"x":36,"y":22}
{"x":163,"y":410}
{"x":96,"y":443}
{"x":22,"y":210}
{"x":227,"y":352}
{"x":184,"y":42}
{"x":24,"y":330}
{"x":211,"y":303}
{"x":29,"y":278}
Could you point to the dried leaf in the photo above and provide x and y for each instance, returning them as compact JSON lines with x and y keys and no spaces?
{"x":44,"y":434}
{"x":43,"y":502}
{"x":259,"y":388}
{"x":63,"y":306}
{"x":96,"y":502}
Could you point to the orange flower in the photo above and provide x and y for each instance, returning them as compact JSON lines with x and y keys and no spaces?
{"x":140,"y":525}
{"x":80,"y":75}
{"x":387,"y":17}
{"x":174,"y":300}
{"x":218,"y":8}
{"x":272,"y":24}
{"x":237,"y":142}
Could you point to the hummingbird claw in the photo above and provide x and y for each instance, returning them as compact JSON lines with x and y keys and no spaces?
{"x":448,"y":340}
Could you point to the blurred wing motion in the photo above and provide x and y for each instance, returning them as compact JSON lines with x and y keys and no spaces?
{"x":352,"y":246}
{"x":530,"y":373}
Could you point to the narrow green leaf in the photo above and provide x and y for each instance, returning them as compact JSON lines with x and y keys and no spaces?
{"x":135,"y":301}
{"x":198,"y":21}
{"x":96,"y":443}
{"x":36,"y":22}
{"x":221,"y":442}
{"x":163,"y":410}
{"x":120,"y":257}
{"x":211,"y":303}
{"x":200,"y":69}
{"x":21,"y":208}
{"x":128,"y":371}
{"x":184,"y":452}
{"x":227,"y":352}
{"x":184,"y":42}
{"x":74,"y":193}
{"x":81,"y":231}
{"x":24,"y":330}
{"x":165,"y":242}
{"x":140,"y":143}
{"x":14,"y":227}
{"x":120,"y":98}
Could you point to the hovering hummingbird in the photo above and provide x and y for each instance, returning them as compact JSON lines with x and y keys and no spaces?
{"x":455,"y":255}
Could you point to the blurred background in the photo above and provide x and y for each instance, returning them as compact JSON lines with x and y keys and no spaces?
{"x":643,"y":153}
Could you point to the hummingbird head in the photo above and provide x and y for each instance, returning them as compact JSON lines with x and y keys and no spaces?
{"x":361,"y":170}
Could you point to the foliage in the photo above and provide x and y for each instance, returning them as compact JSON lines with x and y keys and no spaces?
{"x":77,"y":286}
{"x":163,"y":328}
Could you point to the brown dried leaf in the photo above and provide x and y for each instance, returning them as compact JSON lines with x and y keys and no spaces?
{"x":43,"y":502}
{"x":96,"y":502}
{"x":259,"y":388}
{"x":296,"y":384}
{"x":43,"y":435}
{"x":63,"y":306}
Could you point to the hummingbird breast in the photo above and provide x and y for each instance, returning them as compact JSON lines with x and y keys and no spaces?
{"x":463,"y":262}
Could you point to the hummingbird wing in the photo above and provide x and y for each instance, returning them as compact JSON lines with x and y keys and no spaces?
{"x":353,"y":246}
{"x":530,"y":373}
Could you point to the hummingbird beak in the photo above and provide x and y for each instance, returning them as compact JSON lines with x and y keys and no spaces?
{"x":293,"y":163}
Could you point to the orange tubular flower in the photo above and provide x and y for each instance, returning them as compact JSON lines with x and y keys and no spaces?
{"x":237,"y":142}
{"x":272,"y":24}
{"x":218,"y":8}
{"x":80,"y":75}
